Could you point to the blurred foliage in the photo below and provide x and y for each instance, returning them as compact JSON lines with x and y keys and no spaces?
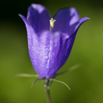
{"x":86,"y":82}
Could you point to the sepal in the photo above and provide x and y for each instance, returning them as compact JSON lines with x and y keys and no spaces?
{"x":69,"y":69}
{"x":25,"y":75}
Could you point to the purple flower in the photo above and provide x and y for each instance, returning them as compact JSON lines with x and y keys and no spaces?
{"x":50,"y":42}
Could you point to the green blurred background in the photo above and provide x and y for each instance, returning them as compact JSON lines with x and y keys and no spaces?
{"x":86,"y":82}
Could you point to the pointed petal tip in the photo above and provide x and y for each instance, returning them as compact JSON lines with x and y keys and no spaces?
{"x":81,"y":21}
{"x":40,"y":8}
{"x":23,"y":18}
{"x":73,"y":8}
{"x":20,"y":15}
{"x":84,"y":19}
{"x":32,"y":4}
{"x":87,"y":18}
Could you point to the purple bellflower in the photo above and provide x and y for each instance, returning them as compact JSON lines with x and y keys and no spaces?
{"x":50,"y":40}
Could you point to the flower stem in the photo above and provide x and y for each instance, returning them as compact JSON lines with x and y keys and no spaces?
{"x":48,"y":95}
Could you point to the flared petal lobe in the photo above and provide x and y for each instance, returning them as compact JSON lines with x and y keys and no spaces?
{"x":64,"y":53}
{"x":72,"y":38}
{"x":38,"y":17}
{"x":30,"y":31}
{"x":66,"y":20}
{"x":81,"y":21}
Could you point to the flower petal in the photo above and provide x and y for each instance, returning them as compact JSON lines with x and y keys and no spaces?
{"x":69,"y":43}
{"x":39,"y":49}
{"x":81,"y":21}
{"x":30,"y":31}
{"x":38,"y":17}
{"x":71,"y":39}
{"x":66,"y":19}
{"x":57,"y":52}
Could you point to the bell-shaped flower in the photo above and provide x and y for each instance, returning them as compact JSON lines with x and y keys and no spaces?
{"x":50,"y":40}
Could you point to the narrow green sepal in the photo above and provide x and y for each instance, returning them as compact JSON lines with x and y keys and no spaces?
{"x":35,"y":81}
{"x":69,"y":69}
{"x":25,"y":75}
{"x":62,"y":83}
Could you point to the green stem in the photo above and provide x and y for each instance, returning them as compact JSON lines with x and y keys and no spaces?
{"x":48,"y":95}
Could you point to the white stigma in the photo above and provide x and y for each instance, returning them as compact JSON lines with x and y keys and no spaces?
{"x":52,"y":23}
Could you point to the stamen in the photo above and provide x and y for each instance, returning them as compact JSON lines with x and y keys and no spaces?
{"x":52,"y":23}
